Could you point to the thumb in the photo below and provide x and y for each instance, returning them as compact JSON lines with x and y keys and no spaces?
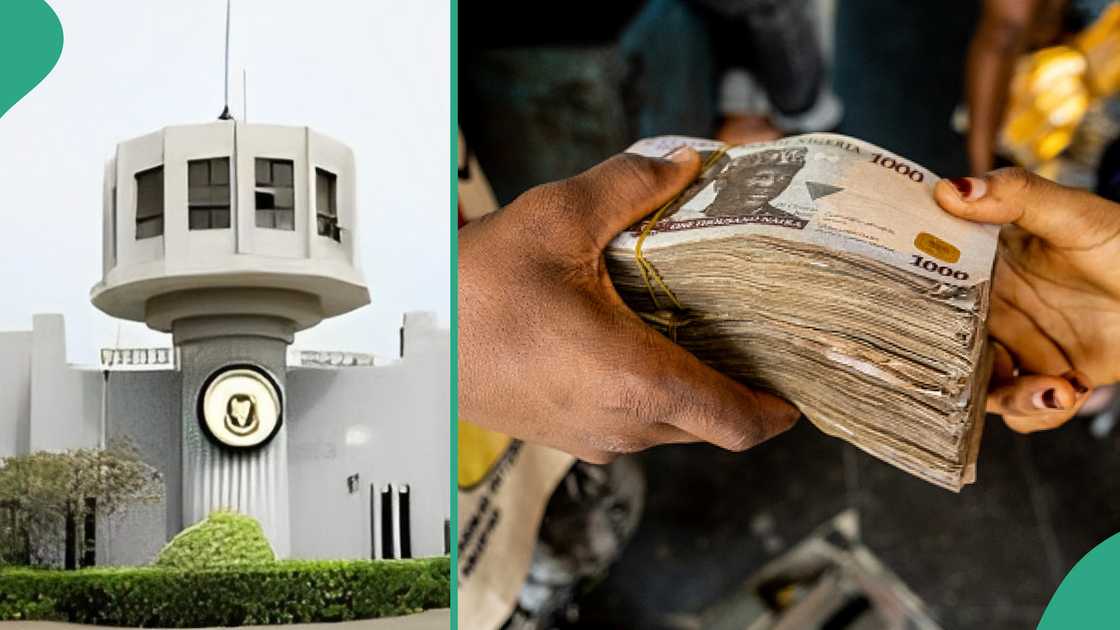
{"x":617,"y":193}
{"x":1064,"y":217}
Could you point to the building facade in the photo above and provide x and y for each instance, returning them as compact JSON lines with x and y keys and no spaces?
{"x":367,"y":441}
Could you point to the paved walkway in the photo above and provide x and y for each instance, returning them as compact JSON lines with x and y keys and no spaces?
{"x":427,"y":620}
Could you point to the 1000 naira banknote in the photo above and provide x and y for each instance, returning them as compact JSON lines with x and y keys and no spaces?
{"x":819,"y":267}
{"x":828,"y":190}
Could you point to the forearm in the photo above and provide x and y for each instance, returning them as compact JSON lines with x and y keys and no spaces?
{"x":998,"y":43}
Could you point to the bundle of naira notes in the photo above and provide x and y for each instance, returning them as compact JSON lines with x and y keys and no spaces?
{"x":819,"y":267}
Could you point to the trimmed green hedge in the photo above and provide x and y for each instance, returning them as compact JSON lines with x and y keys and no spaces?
{"x":288,"y":591}
{"x":222,"y":539}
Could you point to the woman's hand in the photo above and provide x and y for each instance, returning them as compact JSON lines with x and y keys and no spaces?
{"x":1056,"y":293}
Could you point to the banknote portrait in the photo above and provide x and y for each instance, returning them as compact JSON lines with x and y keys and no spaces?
{"x":714,"y":165}
{"x":735,"y":191}
{"x":748,"y":184}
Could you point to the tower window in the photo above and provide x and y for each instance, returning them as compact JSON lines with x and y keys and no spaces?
{"x":208,"y":193}
{"x":326,"y":204}
{"x":275,"y":195}
{"x":149,"y":203}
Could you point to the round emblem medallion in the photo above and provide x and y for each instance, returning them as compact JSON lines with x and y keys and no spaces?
{"x":240,"y":407}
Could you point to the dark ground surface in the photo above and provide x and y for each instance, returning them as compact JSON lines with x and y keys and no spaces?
{"x":987,"y":558}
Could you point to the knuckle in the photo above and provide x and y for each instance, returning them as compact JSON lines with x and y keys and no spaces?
{"x":725,"y":428}
{"x":1013,"y":181}
{"x":781,"y":424}
{"x":741,"y":438}
{"x":543,"y":195}
{"x":1007,"y":402}
{"x":996,"y":407}
{"x":740,"y":424}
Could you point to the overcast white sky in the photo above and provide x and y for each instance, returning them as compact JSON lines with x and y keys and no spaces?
{"x":374,"y":74}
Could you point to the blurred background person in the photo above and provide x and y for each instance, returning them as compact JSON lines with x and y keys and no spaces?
{"x":549,"y":91}
{"x":772,"y":72}
{"x":1006,"y":30}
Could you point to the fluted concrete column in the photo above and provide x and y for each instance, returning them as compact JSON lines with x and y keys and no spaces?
{"x":253,"y":482}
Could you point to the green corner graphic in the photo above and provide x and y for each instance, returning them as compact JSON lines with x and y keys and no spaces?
{"x":1087,"y":597}
{"x":30,"y":44}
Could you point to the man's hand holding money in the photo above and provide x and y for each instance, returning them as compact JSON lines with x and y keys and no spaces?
{"x":1056,"y":295}
{"x":548,"y":352}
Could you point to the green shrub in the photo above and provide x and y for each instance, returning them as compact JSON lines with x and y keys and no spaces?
{"x":288,"y":591}
{"x":223,"y":539}
{"x":13,"y":607}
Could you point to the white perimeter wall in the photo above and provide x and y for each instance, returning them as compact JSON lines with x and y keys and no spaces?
{"x":65,"y":402}
{"x":388,"y":424}
{"x":15,"y":383}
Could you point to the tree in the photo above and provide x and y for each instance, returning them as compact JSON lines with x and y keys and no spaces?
{"x":45,"y":496}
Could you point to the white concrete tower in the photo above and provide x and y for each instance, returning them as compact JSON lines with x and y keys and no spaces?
{"x":231,"y":237}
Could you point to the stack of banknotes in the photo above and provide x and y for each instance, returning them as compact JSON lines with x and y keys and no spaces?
{"x":819,"y":267}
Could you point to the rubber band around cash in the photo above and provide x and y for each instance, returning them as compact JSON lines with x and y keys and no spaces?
{"x":667,"y":319}
{"x":646,"y":267}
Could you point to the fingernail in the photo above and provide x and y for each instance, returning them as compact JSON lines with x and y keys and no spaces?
{"x":679,"y":154}
{"x":1047,"y":399}
{"x":970,"y":188}
{"x":1077,"y":383}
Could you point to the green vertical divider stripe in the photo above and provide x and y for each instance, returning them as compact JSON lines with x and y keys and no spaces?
{"x":30,"y":45}
{"x":454,"y":420}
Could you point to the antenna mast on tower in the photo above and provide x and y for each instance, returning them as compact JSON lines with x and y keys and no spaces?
{"x":225,"y":115}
